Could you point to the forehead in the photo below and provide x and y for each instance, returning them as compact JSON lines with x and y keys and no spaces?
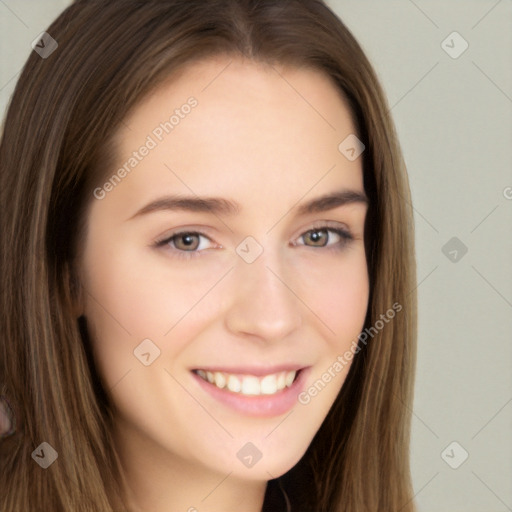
{"x":252,"y":125}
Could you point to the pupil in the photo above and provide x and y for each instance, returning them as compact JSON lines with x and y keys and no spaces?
{"x":316,"y":235}
{"x":186,"y":241}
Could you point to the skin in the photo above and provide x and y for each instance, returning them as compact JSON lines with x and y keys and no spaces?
{"x":253,"y":139}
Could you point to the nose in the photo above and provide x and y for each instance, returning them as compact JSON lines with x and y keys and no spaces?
{"x":263,"y":305}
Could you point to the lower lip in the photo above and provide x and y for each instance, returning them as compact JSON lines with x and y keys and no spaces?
{"x":264,"y":406}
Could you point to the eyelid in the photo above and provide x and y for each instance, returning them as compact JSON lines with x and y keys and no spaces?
{"x":325,"y":224}
{"x":187,"y":231}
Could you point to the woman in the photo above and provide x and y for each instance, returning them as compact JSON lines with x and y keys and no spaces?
{"x":209,"y":302}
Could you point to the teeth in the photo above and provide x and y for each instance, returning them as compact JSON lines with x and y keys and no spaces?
{"x":234,"y":384}
{"x":268,"y":385}
{"x":290,"y":376}
{"x":220,"y":379}
{"x":249,"y":384}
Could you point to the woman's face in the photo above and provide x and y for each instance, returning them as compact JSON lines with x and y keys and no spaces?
{"x":258,"y":292}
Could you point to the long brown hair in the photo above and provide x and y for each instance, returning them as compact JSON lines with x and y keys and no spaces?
{"x":55,"y":149}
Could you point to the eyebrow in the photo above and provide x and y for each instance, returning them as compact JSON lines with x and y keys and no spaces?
{"x":225,"y":207}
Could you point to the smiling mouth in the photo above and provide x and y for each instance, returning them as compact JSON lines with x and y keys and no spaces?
{"x":250,"y":385}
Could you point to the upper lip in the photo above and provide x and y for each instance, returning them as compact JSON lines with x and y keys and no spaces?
{"x":252,"y":370}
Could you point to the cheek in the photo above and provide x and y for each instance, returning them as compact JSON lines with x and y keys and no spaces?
{"x":132,"y":298}
{"x":338,"y":292}
{"x":134,"y":293}
{"x":338,"y":295}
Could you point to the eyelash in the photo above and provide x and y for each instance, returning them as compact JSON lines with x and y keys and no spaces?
{"x":346,"y":238}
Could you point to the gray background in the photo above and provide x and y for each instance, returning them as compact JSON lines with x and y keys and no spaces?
{"x":454,"y":121}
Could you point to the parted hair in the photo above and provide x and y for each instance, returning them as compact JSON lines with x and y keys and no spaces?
{"x":54,"y":150}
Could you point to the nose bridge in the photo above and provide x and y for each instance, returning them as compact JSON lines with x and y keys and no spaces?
{"x":262,"y":302}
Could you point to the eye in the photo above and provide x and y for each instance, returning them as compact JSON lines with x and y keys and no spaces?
{"x":321,"y":236}
{"x":186,"y":244}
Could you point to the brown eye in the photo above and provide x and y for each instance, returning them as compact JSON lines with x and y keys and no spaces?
{"x":327,"y":237}
{"x":186,"y":241}
{"x":319,"y":237}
